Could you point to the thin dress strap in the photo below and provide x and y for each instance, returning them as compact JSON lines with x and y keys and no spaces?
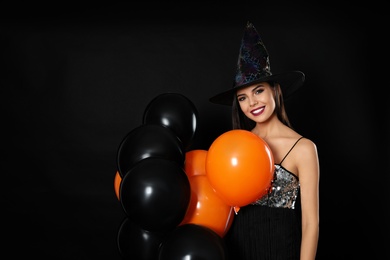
{"x":290,"y":150}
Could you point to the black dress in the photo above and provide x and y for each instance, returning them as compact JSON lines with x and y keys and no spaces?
{"x":269,"y":228}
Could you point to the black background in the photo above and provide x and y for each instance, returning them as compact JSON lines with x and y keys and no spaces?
{"x":75,"y":81}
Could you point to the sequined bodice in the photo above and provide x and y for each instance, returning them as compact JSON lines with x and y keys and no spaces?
{"x":283,"y":192}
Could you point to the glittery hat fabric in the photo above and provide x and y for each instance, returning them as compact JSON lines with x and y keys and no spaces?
{"x":253,"y":66}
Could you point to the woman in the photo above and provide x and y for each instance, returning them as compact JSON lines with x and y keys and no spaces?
{"x":284,"y":223}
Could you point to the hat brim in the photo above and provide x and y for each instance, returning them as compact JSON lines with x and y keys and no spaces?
{"x":289,"y":83}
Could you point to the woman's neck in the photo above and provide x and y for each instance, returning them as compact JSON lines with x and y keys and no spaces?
{"x":269,"y":129}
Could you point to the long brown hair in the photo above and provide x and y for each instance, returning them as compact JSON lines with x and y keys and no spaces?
{"x":240,"y":121}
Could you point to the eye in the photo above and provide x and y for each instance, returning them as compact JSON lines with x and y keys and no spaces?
{"x":241,"y":98}
{"x":259,"y":91}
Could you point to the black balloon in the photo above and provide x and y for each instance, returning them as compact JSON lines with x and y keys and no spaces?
{"x":191,"y":241}
{"x":149,"y":141}
{"x":176,"y":112}
{"x":137,"y":243}
{"x":155,"y":194}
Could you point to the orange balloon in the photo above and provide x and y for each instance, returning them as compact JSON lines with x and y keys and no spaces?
{"x":206,"y":208}
{"x":239,"y":166}
{"x":195,"y":162}
{"x":117,"y":184}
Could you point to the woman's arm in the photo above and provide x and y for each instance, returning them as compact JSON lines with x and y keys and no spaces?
{"x":309,"y":173}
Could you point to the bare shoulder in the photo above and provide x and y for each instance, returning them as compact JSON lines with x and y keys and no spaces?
{"x":306,"y":156}
{"x":306,"y":150}
{"x":306,"y":145}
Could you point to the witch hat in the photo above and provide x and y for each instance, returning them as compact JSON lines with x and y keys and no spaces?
{"x":253,"y":66}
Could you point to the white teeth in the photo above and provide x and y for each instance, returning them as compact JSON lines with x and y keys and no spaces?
{"x":257,"y":110}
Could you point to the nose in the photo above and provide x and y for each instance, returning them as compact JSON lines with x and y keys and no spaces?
{"x":253,"y":103}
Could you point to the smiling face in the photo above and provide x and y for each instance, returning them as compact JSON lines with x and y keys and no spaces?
{"x":257,"y":101}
